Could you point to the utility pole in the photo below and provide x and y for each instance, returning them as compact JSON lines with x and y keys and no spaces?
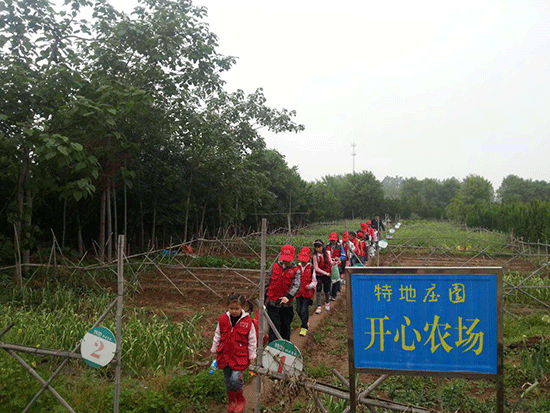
{"x":353,"y":145}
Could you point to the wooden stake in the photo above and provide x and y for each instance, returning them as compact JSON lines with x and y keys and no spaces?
{"x":119,"y":308}
{"x":261,"y":322}
{"x":41,"y":380}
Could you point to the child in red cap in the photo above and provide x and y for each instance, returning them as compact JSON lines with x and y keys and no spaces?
{"x":282,"y":285}
{"x":304,"y":298}
{"x":362,"y":250}
{"x":322,"y":264}
{"x":337,"y":253}
{"x":234,"y":344}
{"x":348,"y":248}
{"x":355,"y":249}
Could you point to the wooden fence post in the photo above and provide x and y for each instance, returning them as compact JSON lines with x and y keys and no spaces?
{"x":261,"y":322}
{"x":119,"y":308}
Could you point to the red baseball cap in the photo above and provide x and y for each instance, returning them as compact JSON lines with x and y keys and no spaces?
{"x":305,"y":254}
{"x":287,"y":253}
{"x":363,"y":226}
{"x":345,"y":236}
{"x":333,"y":236}
{"x":368,"y":222}
{"x":360,"y":235}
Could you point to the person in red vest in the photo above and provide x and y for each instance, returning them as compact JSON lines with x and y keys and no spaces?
{"x":304,"y":298}
{"x":336,"y":251}
{"x":356,"y":250}
{"x":362,"y":250}
{"x":234,"y":344}
{"x":322,"y":265}
{"x":282,"y":285}
{"x":373,"y":236}
{"x":249,"y":308}
{"x":348,"y":248}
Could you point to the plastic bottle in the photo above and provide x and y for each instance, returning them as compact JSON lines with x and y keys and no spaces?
{"x":213,"y":366}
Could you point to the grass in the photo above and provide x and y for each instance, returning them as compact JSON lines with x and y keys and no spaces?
{"x":519,"y":296}
{"x":56,"y":315}
{"x":446,"y":236}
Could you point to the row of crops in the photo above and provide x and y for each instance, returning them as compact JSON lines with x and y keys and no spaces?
{"x":530,"y":221}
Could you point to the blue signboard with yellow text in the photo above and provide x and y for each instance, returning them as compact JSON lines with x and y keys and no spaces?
{"x":429,"y":322}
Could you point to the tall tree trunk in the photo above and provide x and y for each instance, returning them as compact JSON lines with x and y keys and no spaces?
{"x":24,"y":211}
{"x":102,"y":226}
{"x":126,"y":218}
{"x":142,"y":226}
{"x":187,"y":206}
{"x":115,"y":213}
{"x":64,"y":223}
{"x":202,"y":220}
{"x":109,"y":224}
{"x":80,"y":241}
{"x":153,"y":244}
{"x":27,"y":222}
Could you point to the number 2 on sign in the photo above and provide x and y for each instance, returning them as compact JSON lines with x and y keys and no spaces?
{"x":100,"y":345}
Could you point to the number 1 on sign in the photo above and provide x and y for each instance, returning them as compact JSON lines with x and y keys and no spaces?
{"x":281,"y":364}
{"x":100,"y":345}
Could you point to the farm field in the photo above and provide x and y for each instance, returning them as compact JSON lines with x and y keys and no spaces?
{"x":171,"y":308}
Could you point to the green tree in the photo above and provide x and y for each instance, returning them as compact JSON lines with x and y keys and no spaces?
{"x":474,"y":193}
{"x":514,"y":189}
{"x":35,"y":82}
{"x":413,"y":197}
{"x":392,"y":186}
{"x":141,"y":98}
{"x":475,"y":190}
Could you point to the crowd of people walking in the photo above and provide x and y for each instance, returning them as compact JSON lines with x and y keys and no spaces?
{"x":316,"y":277}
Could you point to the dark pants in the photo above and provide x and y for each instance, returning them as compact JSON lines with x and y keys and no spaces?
{"x":337,"y":286}
{"x":323,"y":284}
{"x":302,"y":308}
{"x":334,"y":289}
{"x":233,"y":379}
{"x":281,"y":318}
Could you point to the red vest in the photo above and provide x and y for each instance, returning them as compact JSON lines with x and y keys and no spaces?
{"x":336,"y":248}
{"x":280,"y":281}
{"x":323,"y":263}
{"x":370,"y":231}
{"x":306,"y":280}
{"x":359,"y":247}
{"x":233,"y":348}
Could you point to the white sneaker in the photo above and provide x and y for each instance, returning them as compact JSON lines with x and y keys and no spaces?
{"x":327,"y":307}
{"x":318,"y":311}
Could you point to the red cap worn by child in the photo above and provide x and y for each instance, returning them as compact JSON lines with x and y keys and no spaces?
{"x":360,"y":235}
{"x":304,"y":255}
{"x":333,"y":236}
{"x":345,"y":236}
{"x":363,"y":227}
{"x":287,"y":253}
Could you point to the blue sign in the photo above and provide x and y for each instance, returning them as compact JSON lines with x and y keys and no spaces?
{"x":425,"y":322}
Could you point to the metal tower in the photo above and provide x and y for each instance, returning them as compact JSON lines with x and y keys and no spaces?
{"x":353,"y":145}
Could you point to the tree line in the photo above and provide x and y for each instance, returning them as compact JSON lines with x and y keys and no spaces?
{"x":519,"y":206}
{"x":113,"y":123}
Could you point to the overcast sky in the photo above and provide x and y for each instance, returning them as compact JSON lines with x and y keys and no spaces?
{"x":426,"y":89}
